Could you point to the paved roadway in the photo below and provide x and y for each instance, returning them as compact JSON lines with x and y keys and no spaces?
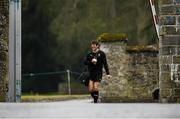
{"x":85,"y":109}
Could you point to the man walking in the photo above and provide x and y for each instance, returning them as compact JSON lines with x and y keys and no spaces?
{"x":96,"y":60}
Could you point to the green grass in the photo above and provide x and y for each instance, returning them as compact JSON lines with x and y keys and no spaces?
{"x":51,"y":98}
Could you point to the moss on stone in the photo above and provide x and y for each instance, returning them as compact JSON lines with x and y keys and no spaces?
{"x":142,"y":48}
{"x":111,"y":37}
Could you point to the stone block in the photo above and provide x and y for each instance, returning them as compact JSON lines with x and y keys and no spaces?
{"x":178,"y":50}
{"x":171,"y":40}
{"x":178,"y":31}
{"x":177,"y":10}
{"x":3,"y":46}
{"x":178,"y":20}
{"x":165,"y":59}
{"x":166,"y":85}
{"x":165,"y":93}
{"x":168,"y":30}
{"x":169,"y":50}
{"x":166,"y":2}
{"x":177,"y":1}
{"x":3,"y":56}
{"x":165,"y":77}
{"x":168,"y":10}
{"x":176,"y":59}
{"x":3,"y":66}
{"x":165,"y":68}
{"x":176,"y":91}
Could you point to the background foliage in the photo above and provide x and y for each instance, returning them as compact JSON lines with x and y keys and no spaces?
{"x":57,"y":33}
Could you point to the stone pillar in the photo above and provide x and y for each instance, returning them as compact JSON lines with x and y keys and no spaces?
{"x":113,"y":90}
{"x":134,"y":73}
{"x":3,"y":48}
{"x":169,"y":55}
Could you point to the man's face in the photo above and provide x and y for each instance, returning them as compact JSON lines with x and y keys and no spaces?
{"x":93,"y":47}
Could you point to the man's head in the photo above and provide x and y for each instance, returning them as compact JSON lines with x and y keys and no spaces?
{"x":94,"y":46}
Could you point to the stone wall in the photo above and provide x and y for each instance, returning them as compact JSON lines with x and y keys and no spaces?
{"x":134,"y":74}
{"x":3,"y":48}
{"x":169,"y":55}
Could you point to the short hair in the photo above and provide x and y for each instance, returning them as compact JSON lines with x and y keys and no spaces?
{"x":95,"y":42}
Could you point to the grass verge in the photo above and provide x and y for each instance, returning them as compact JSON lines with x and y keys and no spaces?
{"x":51,"y":98}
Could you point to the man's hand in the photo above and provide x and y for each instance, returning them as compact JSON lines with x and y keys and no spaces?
{"x":104,"y":82}
{"x":94,"y":60}
{"x":109,"y":76}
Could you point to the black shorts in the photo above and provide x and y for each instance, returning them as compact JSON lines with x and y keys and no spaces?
{"x":95,"y":76}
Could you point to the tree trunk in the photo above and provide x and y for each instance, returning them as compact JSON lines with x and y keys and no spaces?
{"x":3,"y":49}
{"x":113,"y":9}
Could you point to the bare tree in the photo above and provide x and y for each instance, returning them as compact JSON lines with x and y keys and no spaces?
{"x":3,"y":48}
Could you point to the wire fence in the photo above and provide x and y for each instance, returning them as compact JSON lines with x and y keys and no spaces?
{"x":63,"y":82}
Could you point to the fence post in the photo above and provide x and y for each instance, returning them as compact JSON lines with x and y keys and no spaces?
{"x":69,"y":81}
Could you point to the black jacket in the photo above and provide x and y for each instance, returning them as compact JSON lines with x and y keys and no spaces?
{"x":101,"y":62}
